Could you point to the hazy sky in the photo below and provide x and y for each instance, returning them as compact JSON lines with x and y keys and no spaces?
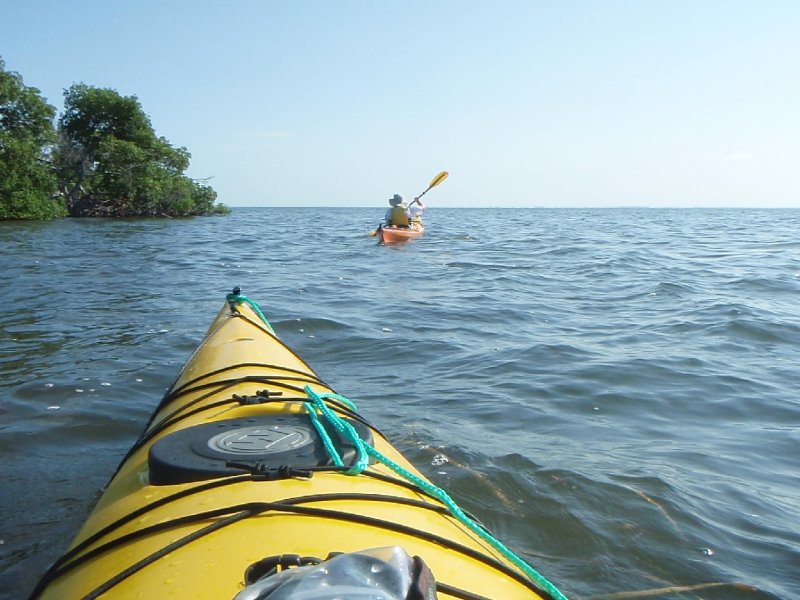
{"x":525,"y":103}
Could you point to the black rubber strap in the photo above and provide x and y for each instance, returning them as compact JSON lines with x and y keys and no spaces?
{"x":179,"y":414}
{"x":459,"y":593}
{"x":195,"y":385}
{"x":296,"y":506}
{"x":150,"y":559}
{"x":56,"y":570}
{"x":152,"y":430}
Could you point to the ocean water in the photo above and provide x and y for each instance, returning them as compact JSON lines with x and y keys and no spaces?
{"x":613,"y":392}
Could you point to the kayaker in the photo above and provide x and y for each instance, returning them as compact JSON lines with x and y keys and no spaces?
{"x":414,"y":212}
{"x":396,"y":215}
{"x":401,"y":215}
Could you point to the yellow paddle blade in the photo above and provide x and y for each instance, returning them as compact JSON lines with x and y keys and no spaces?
{"x":438,"y":179}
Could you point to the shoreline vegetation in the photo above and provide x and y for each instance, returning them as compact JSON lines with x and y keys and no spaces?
{"x":101,"y":158}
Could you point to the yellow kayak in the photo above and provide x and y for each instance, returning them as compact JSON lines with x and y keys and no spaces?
{"x":254,"y":472}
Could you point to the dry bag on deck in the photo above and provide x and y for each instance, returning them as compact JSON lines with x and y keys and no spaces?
{"x":375,"y":574}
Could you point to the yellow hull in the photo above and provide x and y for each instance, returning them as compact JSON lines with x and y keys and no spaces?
{"x":195,"y":539}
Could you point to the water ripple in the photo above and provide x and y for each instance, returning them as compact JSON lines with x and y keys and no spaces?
{"x":613,"y":392}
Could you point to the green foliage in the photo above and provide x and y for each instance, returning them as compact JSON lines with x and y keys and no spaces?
{"x":92,"y":115}
{"x":111,"y":163}
{"x":27,"y":179}
{"x":104,"y":159}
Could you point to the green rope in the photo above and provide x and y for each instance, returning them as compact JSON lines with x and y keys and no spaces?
{"x":318,"y":403}
{"x":326,"y":439}
{"x":242,"y":299}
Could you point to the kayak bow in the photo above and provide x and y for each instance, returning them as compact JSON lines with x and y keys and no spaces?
{"x":251,"y":455}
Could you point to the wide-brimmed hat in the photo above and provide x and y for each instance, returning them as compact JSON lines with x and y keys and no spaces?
{"x":395,"y":200}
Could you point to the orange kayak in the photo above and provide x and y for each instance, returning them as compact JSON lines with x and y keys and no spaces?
{"x":393,"y":235}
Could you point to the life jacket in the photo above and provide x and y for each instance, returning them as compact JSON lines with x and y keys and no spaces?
{"x":398,"y":217}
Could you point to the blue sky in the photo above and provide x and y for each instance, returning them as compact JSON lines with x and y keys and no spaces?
{"x":525,"y":103}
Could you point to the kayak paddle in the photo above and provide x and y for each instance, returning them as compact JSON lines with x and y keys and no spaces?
{"x":436,"y":181}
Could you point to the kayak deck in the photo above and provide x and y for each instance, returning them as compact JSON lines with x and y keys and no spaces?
{"x":177,"y":520}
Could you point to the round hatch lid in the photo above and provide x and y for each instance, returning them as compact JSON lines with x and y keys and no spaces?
{"x":271,"y":441}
